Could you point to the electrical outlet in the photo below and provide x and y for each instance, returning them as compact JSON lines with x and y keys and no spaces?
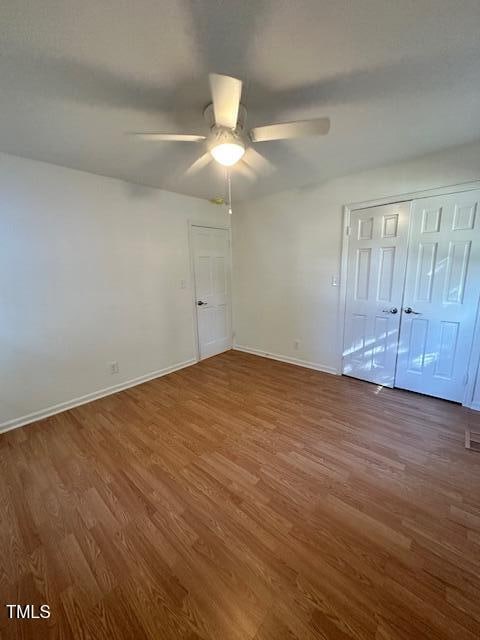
{"x":296,"y":345}
{"x":113,"y":367}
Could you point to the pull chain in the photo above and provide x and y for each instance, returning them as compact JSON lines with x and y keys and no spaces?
{"x":229,"y":191}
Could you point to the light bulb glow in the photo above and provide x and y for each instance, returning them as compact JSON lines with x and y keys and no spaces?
{"x":227,"y":153}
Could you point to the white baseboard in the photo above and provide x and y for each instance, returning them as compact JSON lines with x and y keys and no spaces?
{"x":95,"y":395}
{"x":275,"y":356}
{"x":475,"y":406}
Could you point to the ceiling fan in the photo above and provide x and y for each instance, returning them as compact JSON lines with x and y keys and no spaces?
{"x":228,"y":141}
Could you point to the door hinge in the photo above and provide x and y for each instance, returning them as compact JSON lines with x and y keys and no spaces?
{"x":465,"y":380}
{"x":347,"y":230}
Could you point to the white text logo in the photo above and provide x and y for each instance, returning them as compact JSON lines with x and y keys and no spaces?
{"x":28,"y":612}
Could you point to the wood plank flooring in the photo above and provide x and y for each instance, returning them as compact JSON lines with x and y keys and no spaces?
{"x":241,"y":499}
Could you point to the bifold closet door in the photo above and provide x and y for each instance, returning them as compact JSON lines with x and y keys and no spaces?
{"x":441,"y":297}
{"x":375,"y":278}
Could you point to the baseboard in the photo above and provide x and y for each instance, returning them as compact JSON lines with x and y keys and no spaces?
{"x":475,"y":406}
{"x":275,"y":356}
{"x":95,"y":395}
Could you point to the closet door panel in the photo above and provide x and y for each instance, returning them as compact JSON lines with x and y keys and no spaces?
{"x":442,"y":290}
{"x":375,"y":278}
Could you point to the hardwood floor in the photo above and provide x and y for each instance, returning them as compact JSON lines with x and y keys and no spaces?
{"x":239,"y":499}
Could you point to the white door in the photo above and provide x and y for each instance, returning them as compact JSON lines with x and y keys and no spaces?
{"x":441,"y":295}
{"x":375,"y":278}
{"x":211,"y":254}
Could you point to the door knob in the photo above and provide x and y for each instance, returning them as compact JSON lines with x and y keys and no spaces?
{"x":392,"y":310}
{"x":410,"y":310}
{"x":200,"y":302}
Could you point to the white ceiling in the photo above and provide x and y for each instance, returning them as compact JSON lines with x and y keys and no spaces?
{"x":398,"y":78}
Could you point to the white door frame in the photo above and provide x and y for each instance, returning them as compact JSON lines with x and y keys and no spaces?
{"x":342,"y":304}
{"x":209,"y":225}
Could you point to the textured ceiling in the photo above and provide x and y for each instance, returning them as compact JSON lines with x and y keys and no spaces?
{"x":397,"y":78}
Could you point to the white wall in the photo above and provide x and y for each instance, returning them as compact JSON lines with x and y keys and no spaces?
{"x":90,"y":272}
{"x":287,"y":248}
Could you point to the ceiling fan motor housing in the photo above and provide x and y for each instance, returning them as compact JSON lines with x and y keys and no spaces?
{"x":223,"y":135}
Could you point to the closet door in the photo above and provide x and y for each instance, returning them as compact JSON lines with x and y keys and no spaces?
{"x":375,"y":280}
{"x":441,"y":295}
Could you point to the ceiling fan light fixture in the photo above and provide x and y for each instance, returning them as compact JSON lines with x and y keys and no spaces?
{"x":227,"y":153}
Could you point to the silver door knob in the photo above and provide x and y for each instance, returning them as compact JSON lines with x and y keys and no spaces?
{"x":392,"y":310}
{"x":410,"y":310}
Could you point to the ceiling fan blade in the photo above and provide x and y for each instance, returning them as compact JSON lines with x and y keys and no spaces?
{"x":286,"y":130}
{"x":257,"y":162}
{"x":243,"y":169}
{"x":168,"y":137}
{"x":226,"y":94}
{"x":199,"y":164}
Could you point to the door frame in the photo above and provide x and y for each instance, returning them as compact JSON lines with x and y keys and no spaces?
{"x":342,"y":303}
{"x":208,"y":225}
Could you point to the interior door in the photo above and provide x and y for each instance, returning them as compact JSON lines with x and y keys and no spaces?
{"x":441,"y":295}
{"x":211,"y":253}
{"x":375,"y":278}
